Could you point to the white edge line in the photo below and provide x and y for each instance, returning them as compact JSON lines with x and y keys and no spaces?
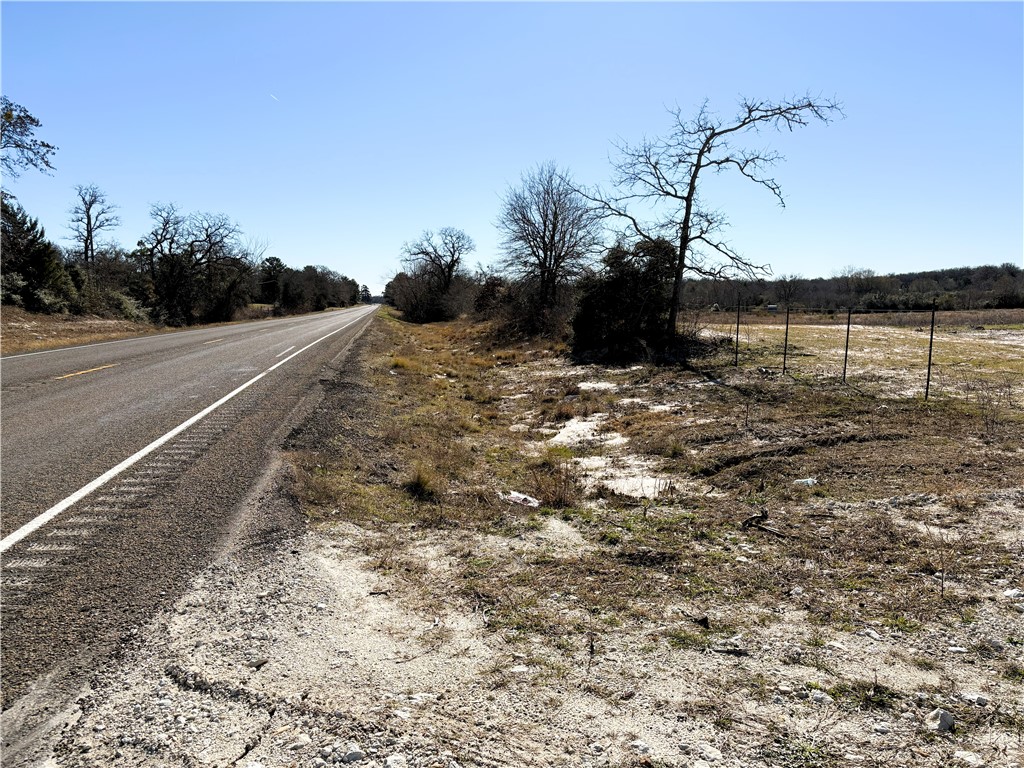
{"x":287,"y":350}
{"x":38,"y":522}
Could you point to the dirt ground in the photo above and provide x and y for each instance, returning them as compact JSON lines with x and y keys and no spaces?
{"x":514,"y":560}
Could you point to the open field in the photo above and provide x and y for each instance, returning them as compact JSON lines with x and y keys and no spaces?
{"x":725,"y":567}
{"x":976,"y":356}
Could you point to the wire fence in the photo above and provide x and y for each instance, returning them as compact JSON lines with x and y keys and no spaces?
{"x":977,"y":355}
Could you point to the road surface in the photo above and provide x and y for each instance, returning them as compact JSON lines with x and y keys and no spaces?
{"x":125,"y":466}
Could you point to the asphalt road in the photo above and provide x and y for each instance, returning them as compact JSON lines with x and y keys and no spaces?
{"x":77,"y":587}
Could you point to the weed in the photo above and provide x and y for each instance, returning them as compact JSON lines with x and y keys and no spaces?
{"x":865,"y":694}
{"x":682,"y":638}
{"x":1014,"y":672}
{"x":900,"y":623}
{"x":785,"y":751}
{"x":556,"y":480}
{"x":422,"y":485}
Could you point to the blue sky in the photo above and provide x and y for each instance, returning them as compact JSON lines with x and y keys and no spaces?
{"x":339,"y":131}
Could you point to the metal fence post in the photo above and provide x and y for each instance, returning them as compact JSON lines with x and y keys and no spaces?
{"x":931,"y":341}
{"x":785,"y":342}
{"x":846,"y":352}
{"x":736,"y":361}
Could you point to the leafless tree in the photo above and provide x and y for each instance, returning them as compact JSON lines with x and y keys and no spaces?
{"x":91,"y":215}
{"x":787,"y":287}
{"x":20,"y":148}
{"x":548,"y":230}
{"x":662,"y":176}
{"x":198,"y":262}
{"x":438,"y":256}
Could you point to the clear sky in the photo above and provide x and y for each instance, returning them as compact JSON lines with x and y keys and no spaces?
{"x":338,"y":131}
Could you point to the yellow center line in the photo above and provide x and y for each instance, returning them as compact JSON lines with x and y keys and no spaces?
{"x":214,"y":341}
{"x":91,"y":370}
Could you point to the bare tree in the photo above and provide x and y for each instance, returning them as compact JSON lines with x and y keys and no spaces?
{"x":439,"y":256}
{"x":21,"y":149}
{"x":548,"y":230}
{"x":788,"y":287}
{"x":91,"y":215}
{"x":663,"y":176}
{"x":199,"y":263}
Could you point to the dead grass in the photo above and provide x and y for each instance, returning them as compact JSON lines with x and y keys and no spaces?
{"x":899,"y":531}
{"x":22,"y":331}
{"x":446,"y":402}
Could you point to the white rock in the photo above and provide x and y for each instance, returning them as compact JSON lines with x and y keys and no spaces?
{"x":972,"y":759}
{"x":957,"y":649}
{"x":639,"y":746}
{"x":405,"y":714}
{"x":700,"y":764}
{"x":519,"y":669}
{"x":395,"y":761}
{"x":1013,"y":594}
{"x":871,"y":634}
{"x":880,"y":728}
{"x":820,"y":697}
{"x":939,"y":720}
{"x":709,"y":753}
{"x":796,"y":591}
{"x":299,"y":742}
{"x":596,"y":748}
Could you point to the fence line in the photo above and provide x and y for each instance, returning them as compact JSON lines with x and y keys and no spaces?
{"x":1011,"y":364}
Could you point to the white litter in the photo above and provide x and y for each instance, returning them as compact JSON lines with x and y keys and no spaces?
{"x":519,"y":498}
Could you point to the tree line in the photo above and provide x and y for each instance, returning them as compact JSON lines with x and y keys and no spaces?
{"x":959,"y":288}
{"x":189,"y":267}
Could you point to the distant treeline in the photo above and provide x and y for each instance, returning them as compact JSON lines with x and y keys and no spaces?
{"x":961,"y":288}
{"x":188,"y":268}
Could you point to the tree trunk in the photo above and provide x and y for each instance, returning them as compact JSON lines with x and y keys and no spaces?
{"x":677,"y":283}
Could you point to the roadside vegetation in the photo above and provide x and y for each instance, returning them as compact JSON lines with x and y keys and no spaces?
{"x":785,"y":539}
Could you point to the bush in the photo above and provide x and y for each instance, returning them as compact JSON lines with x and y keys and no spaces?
{"x":48,"y":302}
{"x":623,"y":310}
{"x":11,"y":286}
